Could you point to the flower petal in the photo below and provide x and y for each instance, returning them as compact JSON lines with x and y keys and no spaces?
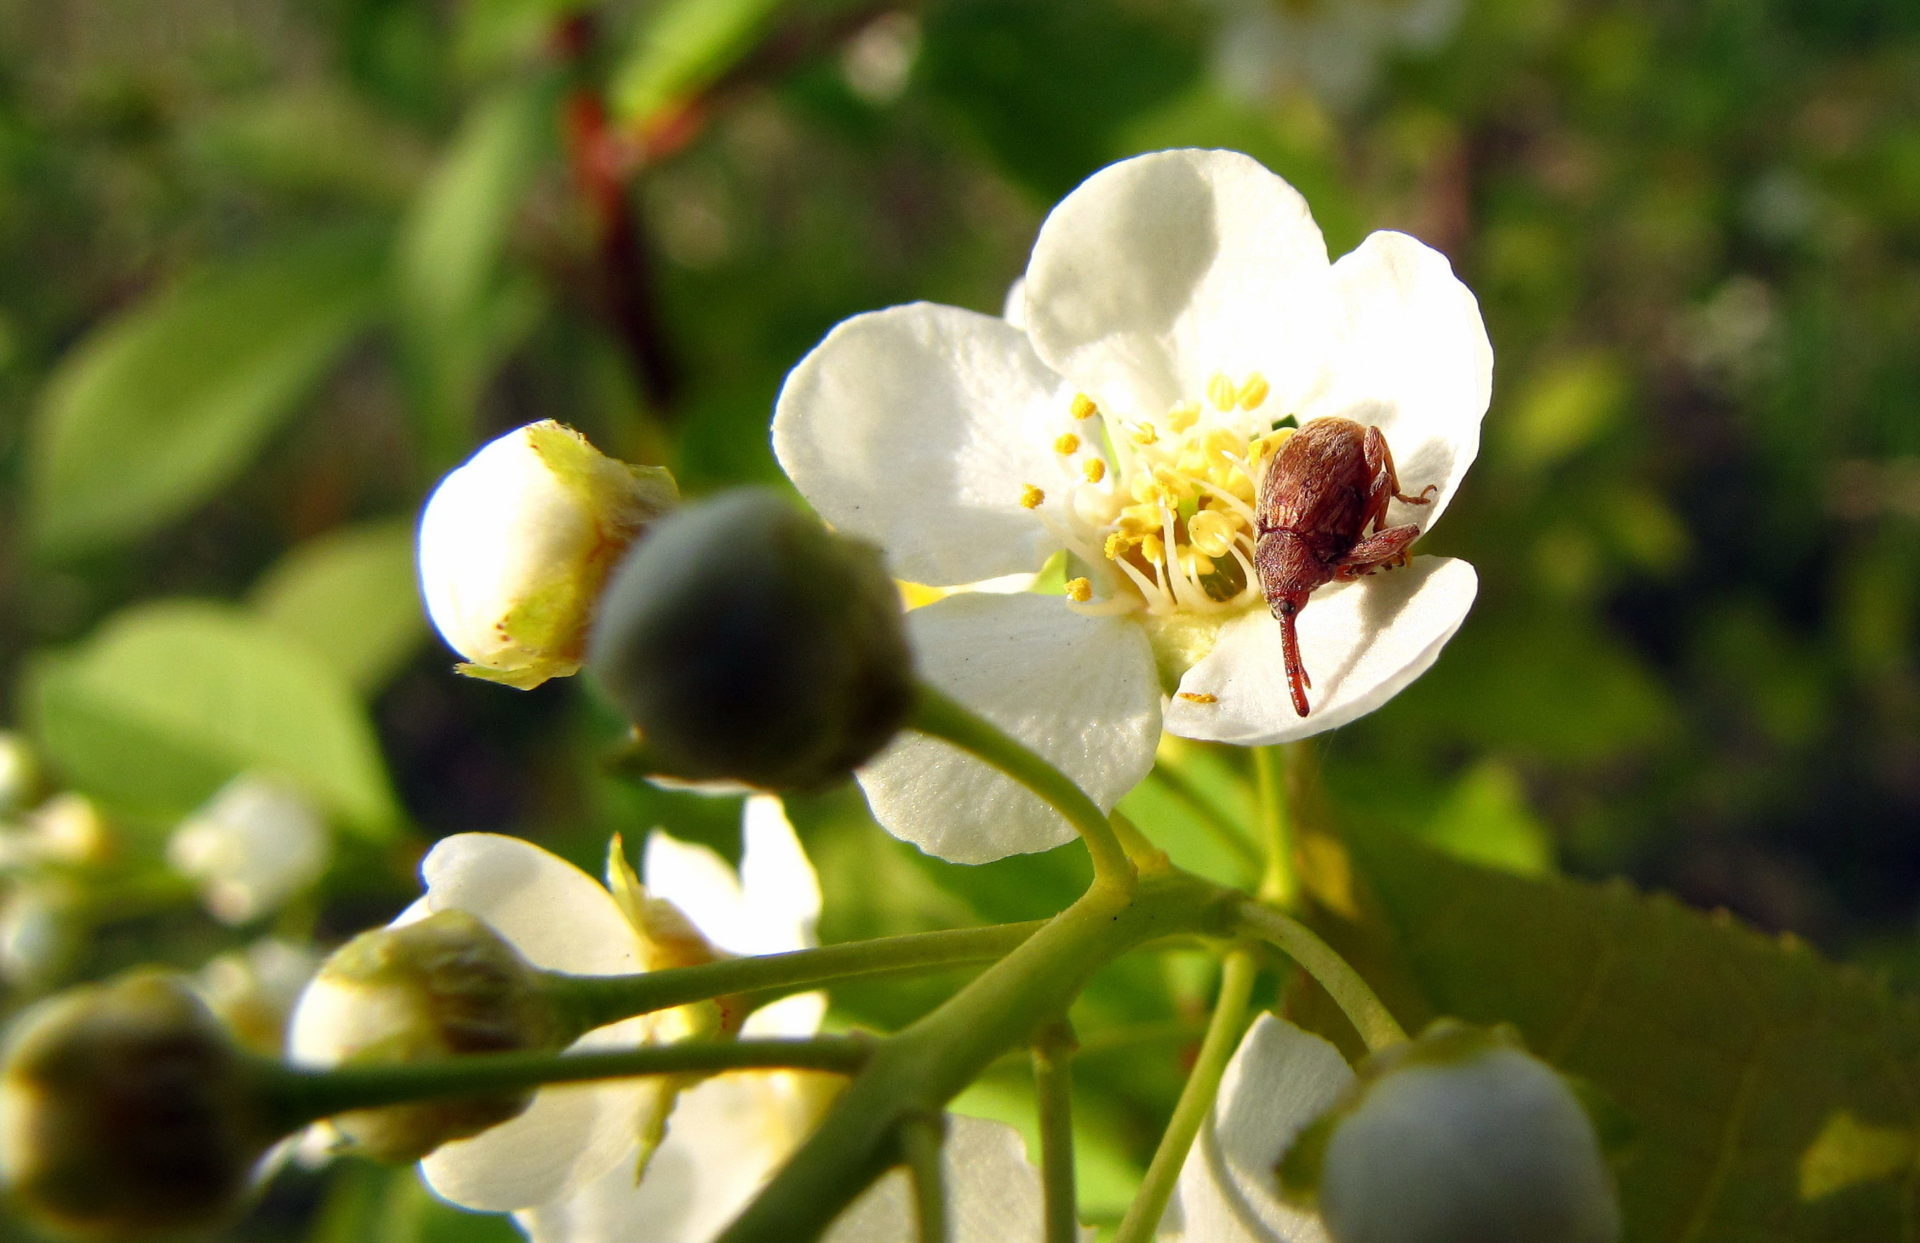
{"x":566,"y":1138}
{"x":993,"y":1193}
{"x":698,"y":882}
{"x":557,"y":916}
{"x":1280,"y":1079}
{"x":725,"y":1138}
{"x":782,"y":893}
{"x":1361,"y":642}
{"x":1414,"y":360}
{"x":1159,"y":271}
{"x":1079,"y":690}
{"x":919,"y":428}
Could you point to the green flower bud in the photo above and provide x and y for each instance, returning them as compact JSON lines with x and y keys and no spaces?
{"x":749,"y":644}
{"x":427,"y":990}
{"x":126,"y":1111}
{"x":1461,"y":1136}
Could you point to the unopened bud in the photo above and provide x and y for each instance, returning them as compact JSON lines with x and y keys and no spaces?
{"x":255,"y":844}
{"x":438,"y":987}
{"x":516,"y":544}
{"x":126,"y":1112}
{"x":1458,"y":1137}
{"x":747,"y":643}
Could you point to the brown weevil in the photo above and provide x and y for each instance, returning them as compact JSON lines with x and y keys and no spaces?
{"x":1325,"y":487}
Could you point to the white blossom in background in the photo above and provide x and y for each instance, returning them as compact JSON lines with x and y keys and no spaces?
{"x":1175,"y":308}
{"x":1280,"y":1079}
{"x":18,"y":772}
{"x":1332,"y":50}
{"x":255,"y":844}
{"x":516,"y":544}
{"x":253,"y":990}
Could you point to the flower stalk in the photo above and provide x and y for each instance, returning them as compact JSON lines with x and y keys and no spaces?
{"x":1053,"y":1052}
{"x":1362,"y":1006}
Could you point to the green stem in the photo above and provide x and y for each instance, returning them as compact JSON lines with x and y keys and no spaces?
{"x":1217,"y":823}
{"x":1270,"y":780}
{"x":1053,"y":1054}
{"x":299,"y":1095}
{"x":1363,"y":1008}
{"x":941,"y":716}
{"x":1196,"y":1098}
{"x":596,"y":1000}
{"x":919,"y":1070}
{"x":920,"y":1140}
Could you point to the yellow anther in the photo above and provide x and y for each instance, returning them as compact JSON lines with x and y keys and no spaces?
{"x":1269,"y":444}
{"x":1221,"y":392}
{"x":1095,"y":469}
{"x":1254,"y":391}
{"x":1118,"y":543}
{"x":1198,"y":697}
{"x":1079,"y":590}
{"x":1145,"y":434}
{"x":1083,"y":407}
{"x":1153,"y":548}
{"x":1183,"y":415}
{"x":1212,"y":531}
{"x":1068,"y":443}
{"x":1195,"y":564}
{"x":1193,"y":458}
{"x":1032,"y":498}
{"x":1139,"y":519}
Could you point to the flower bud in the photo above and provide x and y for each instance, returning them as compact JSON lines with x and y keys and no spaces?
{"x":1458,"y":1137}
{"x":516,"y":544}
{"x":427,"y":990}
{"x":749,"y":644}
{"x":125,"y":1111}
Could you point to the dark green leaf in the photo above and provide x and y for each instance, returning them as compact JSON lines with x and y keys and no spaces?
{"x":163,"y":406}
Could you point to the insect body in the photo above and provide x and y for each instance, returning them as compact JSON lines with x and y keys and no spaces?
{"x":1326,"y":486}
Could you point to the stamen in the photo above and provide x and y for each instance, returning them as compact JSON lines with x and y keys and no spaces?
{"x":1118,"y":543}
{"x":1198,"y":697}
{"x":1145,"y":434}
{"x":1095,"y":469}
{"x":1084,"y":407}
{"x":1079,"y":590}
{"x":1183,"y":415}
{"x":1211,"y":532}
{"x":1153,"y":548}
{"x":1254,"y":391}
{"x":1068,"y":443}
{"x":1032,"y":498}
{"x":1221,"y":392}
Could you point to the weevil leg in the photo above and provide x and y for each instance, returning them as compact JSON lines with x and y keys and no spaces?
{"x":1386,"y":480}
{"x":1383,"y":550}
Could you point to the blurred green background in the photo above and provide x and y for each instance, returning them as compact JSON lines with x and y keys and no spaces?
{"x":267,"y":270}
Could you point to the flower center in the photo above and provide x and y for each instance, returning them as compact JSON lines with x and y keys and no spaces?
{"x":1162,"y":518}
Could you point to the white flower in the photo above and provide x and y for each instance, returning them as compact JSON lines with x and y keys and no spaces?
{"x":1176,"y":307}
{"x":1280,"y":1079}
{"x":253,"y":990}
{"x":255,"y":844}
{"x":516,"y":544}
{"x":727,"y":1135}
{"x":1332,"y":49}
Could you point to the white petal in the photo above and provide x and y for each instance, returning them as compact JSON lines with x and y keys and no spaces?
{"x":725,"y":1139}
{"x":1279,"y":1080}
{"x":1014,"y":310}
{"x":993,"y":1193}
{"x":698,"y":882}
{"x":797,"y":1016}
{"x":919,"y":428}
{"x":781,"y":891}
{"x":1413,"y":359}
{"x":566,"y":1138}
{"x":1159,"y":271}
{"x":557,"y":916}
{"x":1078,"y":690}
{"x":1361,"y":643}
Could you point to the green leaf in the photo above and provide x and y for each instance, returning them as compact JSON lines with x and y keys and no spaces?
{"x":683,"y":46}
{"x":1775,"y":1096}
{"x":350,"y":596}
{"x":159,"y":409}
{"x":169,"y":700}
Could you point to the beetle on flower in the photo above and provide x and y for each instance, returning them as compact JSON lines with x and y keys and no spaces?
{"x":1177,"y":314}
